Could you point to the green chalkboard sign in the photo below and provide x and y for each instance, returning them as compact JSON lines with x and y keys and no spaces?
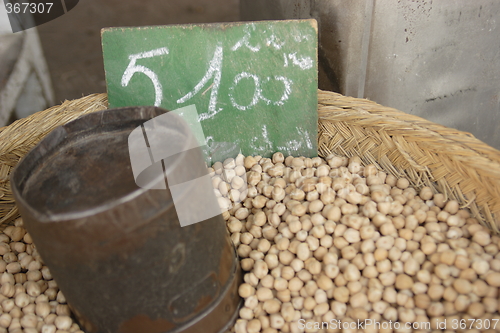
{"x":253,"y":83}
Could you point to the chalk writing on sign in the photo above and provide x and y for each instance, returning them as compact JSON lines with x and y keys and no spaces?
{"x":214,"y":72}
{"x":253,"y":83}
{"x":133,"y":68}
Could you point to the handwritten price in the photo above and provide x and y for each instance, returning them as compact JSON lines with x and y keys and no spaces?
{"x":214,"y":74}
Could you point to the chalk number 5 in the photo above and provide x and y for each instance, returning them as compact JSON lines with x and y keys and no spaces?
{"x":133,"y":68}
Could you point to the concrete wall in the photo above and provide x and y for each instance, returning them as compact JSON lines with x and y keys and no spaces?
{"x":436,"y":59}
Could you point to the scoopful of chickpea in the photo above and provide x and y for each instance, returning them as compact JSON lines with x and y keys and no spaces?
{"x":322,"y":239}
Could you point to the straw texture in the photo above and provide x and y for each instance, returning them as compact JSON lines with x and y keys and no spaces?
{"x":452,"y":162}
{"x":449,"y":161}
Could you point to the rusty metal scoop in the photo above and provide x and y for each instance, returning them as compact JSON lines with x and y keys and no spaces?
{"x":116,"y":250}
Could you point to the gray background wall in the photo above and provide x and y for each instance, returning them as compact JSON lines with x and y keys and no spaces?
{"x":436,"y":59}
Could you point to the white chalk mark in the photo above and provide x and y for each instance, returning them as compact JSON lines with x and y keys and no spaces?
{"x":256,"y":149}
{"x":268,"y":145}
{"x":262,"y":98}
{"x":256,"y":95}
{"x":209,"y":141}
{"x":274,"y":42}
{"x":291,"y":148}
{"x":133,"y":68}
{"x":266,"y":136}
{"x":286,"y":92}
{"x":245,"y":40}
{"x":283,"y":150}
{"x":302,"y":132}
{"x":214,"y":71}
{"x":300,"y":38}
{"x":303,"y":62}
{"x":150,"y":54}
{"x":294,"y":145}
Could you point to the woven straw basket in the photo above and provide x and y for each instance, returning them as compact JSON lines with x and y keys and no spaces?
{"x":449,"y":161}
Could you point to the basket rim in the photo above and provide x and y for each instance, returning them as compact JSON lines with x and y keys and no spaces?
{"x":399,"y":130}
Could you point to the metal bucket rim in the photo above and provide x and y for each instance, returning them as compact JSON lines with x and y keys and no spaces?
{"x":22,"y":171}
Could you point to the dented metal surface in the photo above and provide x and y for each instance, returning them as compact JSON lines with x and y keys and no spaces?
{"x":117,"y":251}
